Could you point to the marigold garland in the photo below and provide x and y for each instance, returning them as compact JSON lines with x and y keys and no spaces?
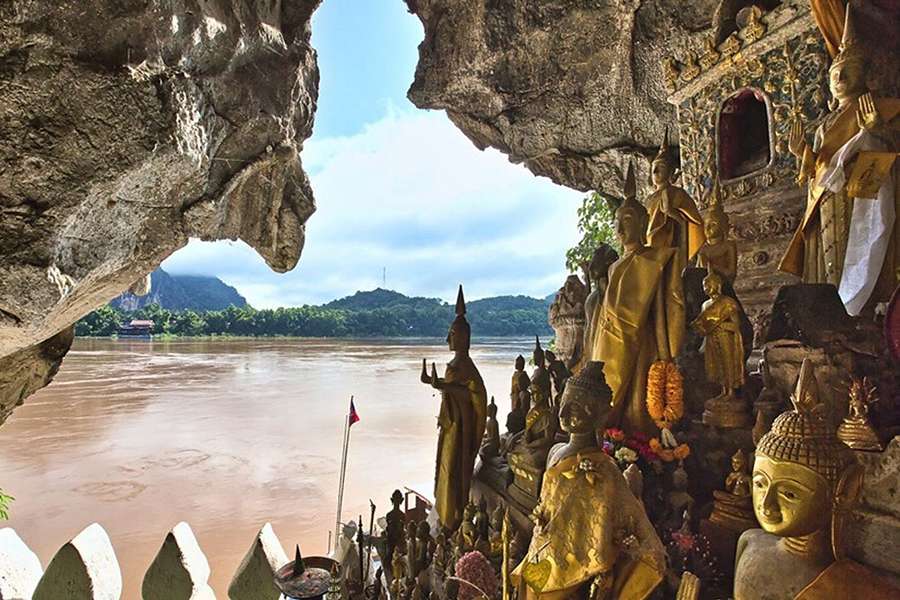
{"x":665,"y":393}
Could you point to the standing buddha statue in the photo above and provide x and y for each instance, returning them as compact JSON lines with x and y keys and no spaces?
{"x":804,"y":485}
{"x":516,"y":384}
{"x":461,"y":421}
{"x":592,"y":538}
{"x":852,"y":245}
{"x":490,"y":446}
{"x":641,"y":318}
{"x":718,"y":252}
{"x":674,"y":221}
{"x":540,"y":377}
{"x":598,"y":278}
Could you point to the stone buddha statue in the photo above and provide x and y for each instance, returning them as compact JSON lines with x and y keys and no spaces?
{"x":598,"y":278}
{"x":461,"y":421}
{"x":516,"y":384}
{"x":674,"y":221}
{"x":592,"y":538}
{"x":805,"y":482}
{"x":719,"y":323}
{"x":852,"y":245}
{"x":718,"y":253}
{"x":641,"y":319}
{"x":540,"y":377}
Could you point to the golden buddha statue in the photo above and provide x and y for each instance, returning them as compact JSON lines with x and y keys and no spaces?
{"x":490,"y":445}
{"x":528,"y":450}
{"x":598,"y":278}
{"x":718,"y":252}
{"x":733,"y":507}
{"x":516,"y":384}
{"x":719,"y":323}
{"x":541,"y":376}
{"x":852,"y":245}
{"x":856,"y":431}
{"x":674,"y":221}
{"x":641,"y":318}
{"x":592,"y":538}
{"x":461,"y":421}
{"x":805,"y":482}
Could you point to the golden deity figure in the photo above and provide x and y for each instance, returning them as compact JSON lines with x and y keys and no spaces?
{"x":718,"y":252}
{"x":461,"y":421}
{"x":674,"y":221}
{"x":848,"y":243}
{"x":528,"y":450}
{"x":856,"y":431}
{"x":540,"y":377}
{"x":641,"y":318}
{"x":598,"y":278}
{"x":733,"y":507}
{"x":592,"y":538}
{"x":516,"y":384}
{"x":719,"y":323}
{"x":805,"y":483}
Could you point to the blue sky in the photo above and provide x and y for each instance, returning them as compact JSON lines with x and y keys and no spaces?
{"x":399,"y":188}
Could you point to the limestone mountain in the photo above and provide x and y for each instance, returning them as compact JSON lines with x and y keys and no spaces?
{"x":183,"y":292}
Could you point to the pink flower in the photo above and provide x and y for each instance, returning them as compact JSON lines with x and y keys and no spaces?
{"x":474,"y":568}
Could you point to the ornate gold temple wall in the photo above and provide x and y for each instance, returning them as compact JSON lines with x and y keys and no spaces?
{"x":781,"y":61}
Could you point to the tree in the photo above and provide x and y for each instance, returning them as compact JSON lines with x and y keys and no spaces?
{"x":596,"y":224}
{"x":4,"y":505}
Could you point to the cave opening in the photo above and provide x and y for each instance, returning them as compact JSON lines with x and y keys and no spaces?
{"x":744,"y":134}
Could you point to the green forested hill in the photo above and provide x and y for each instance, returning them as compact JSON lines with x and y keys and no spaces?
{"x":183,"y":292}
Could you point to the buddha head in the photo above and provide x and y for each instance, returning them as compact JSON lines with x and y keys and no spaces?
{"x":538,"y":354}
{"x":847,"y":74}
{"x":662,"y":169}
{"x":716,"y":223}
{"x":520,"y":363}
{"x":396,"y":498}
{"x":537,"y":395}
{"x":712,"y":284}
{"x":492,"y":409}
{"x":423,"y":531}
{"x":739,"y":461}
{"x":460,"y":334}
{"x":603,"y":257}
{"x":804,"y":478}
{"x":586,"y":401}
{"x":631,"y":224}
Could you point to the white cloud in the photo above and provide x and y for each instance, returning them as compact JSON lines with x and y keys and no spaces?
{"x":412,"y":194}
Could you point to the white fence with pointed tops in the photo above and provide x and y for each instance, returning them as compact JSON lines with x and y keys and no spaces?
{"x":86,"y":568}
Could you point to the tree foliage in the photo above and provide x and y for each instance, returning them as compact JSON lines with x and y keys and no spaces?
{"x":596,"y":224}
{"x":5,"y":501}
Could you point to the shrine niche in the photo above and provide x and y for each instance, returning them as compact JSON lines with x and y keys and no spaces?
{"x":743,"y":134}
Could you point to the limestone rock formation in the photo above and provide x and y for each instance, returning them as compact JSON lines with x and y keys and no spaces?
{"x":255,"y":577}
{"x":569,"y":88}
{"x":180,"y":570}
{"x":84,"y":569}
{"x":20,"y":569}
{"x":28,"y":370}
{"x":127,"y":127}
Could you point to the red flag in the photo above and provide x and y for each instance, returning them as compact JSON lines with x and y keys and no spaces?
{"x":353,"y":417}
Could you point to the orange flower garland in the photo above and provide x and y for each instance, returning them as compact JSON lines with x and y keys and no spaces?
{"x":665,"y":393}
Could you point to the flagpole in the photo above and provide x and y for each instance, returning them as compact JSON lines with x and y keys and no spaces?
{"x":340,"y":498}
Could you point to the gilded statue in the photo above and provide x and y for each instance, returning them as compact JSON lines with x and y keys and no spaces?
{"x":852,"y":245}
{"x":598,"y":279}
{"x":718,"y":252}
{"x":738,"y":481}
{"x":540,"y":377}
{"x":490,"y":445}
{"x":461,"y":421}
{"x":719,"y":323}
{"x":528,"y":450}
{"x":516,"y":384}
{"x":592,"y":538}
{"x":805,"y":482}
{"x":674,"y":221}
{"x":733,"y":507}
{"x":856,"y":431}
{"x":641,"y":319}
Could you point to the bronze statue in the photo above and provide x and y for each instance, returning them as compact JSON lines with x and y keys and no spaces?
{"x":528,"y":450}
{"x":718,"y":252}
{"x":856,"y":431}
{"x":641,"y":319}
{"x":674,"y":221}
{"x":461,"y":421}
{"x":827,"y":247}
{"x":590,"y":531}
{"x":490,"y":446}
{"x":516,"y":385}
{"x":805,"y":482}
{"x":540,"y":377}
{"x":394,"y":528}
{"x":723,"y":354}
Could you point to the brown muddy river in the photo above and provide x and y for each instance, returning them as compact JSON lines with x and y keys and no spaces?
{"x":225,"y":435}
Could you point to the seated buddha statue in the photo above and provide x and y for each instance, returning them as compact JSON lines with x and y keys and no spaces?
{"x":855,"y":430}
{"x":528,"y":450}
{"x":592,"y":538}
{"x":490,"y":445}
{"x":733,"y":507}
{"x":805,"y":482}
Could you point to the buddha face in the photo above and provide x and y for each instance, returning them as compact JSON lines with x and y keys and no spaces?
{"x":520,"y":363}
{"x":577,"y":414}
{"x":738,"y":462}
{"x":537,"y":396}
{"x":629,"y":227}
{"x":846,"y":80}
{"x":538,"y":357}
{"x":712,"y":285}
{"x":660,"y":172}
{"x":789,"y":499}
{"x":713,"y":227}
{"x":458,"y":337}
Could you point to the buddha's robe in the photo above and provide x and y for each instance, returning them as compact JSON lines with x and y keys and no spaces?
{"x":461,"y":422}
{"x":589,"y":512}
{"x":723,"y":349}
{"x":848,"y":579}
{"x":847,"y":243}
{"x":674,"y":222}
{"x":640,"y":321}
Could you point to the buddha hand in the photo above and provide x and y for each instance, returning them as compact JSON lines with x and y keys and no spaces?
{"x":424,"y":378}
{"x":867,"y":113}
{"x":797,"y":139}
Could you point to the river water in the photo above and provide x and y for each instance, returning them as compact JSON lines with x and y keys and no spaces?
{"x":225,"y":435}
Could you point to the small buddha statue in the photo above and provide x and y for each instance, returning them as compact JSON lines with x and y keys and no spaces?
{"x":540,"y":377}
{"x":723,"y":354}
{"x":439,"y":560}
{"x":528,"y":450}
{"x":598,"y":279}
{"x":424,"y":546}
{"x":394,"y":528}
{"x":516,"y":385}
{"x":398,"y":574}
{"x":718,"y":253}
{"x":515,"y":420}
{"x":496,"y":531}
{"x":591,"y":535}
{"x":679,"y":501}
{"x":490,"y":446}
{"x":467,"y":534}
{"x":805,"y":482}
{"x":482,"y":520}
{"x":674,"y":221}
{"x":733,"y":508}
{"x":844,"y":240}
{"x":412,"y":551}
{"x":856,"y":431}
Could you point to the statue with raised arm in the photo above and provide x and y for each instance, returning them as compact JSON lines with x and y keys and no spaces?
{"x":461,"y":421}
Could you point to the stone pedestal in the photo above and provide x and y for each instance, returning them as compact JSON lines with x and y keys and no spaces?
{"x":726,"y":412}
